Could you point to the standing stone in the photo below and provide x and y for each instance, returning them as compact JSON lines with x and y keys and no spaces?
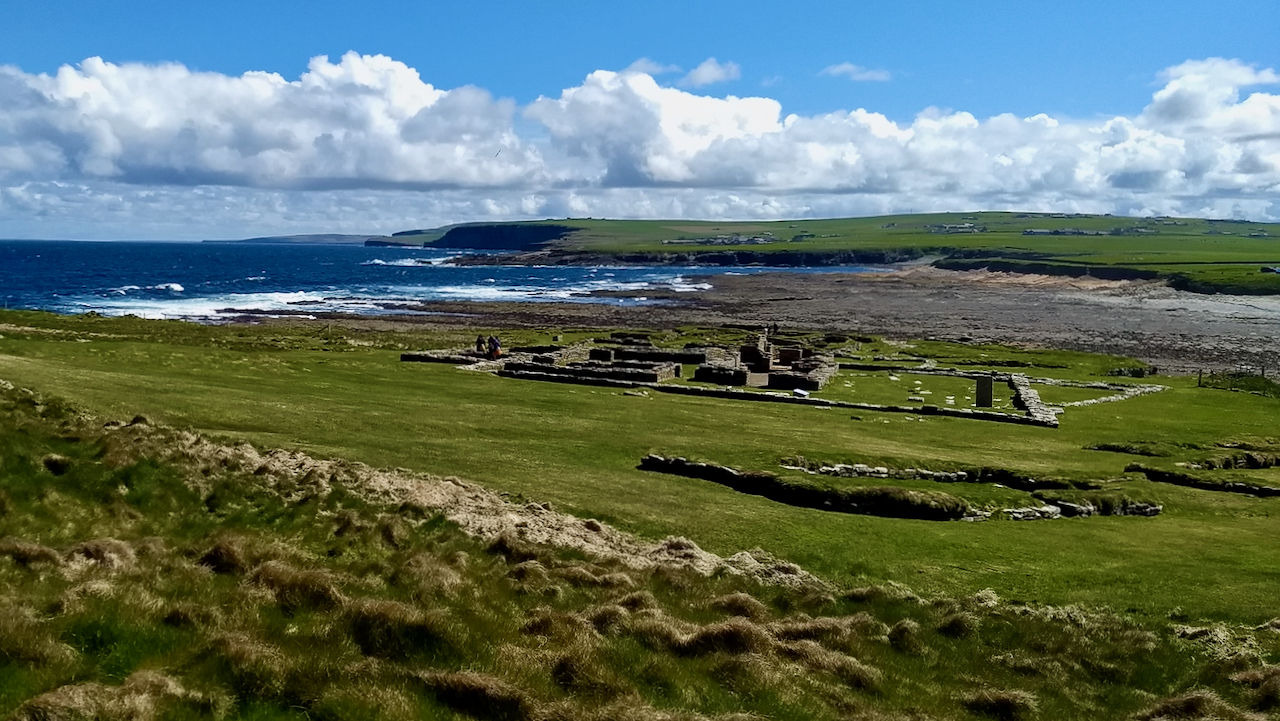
{"x":984,"y":394}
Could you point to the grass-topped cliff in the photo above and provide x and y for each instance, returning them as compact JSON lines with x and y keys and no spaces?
{"x":1193,"y":254}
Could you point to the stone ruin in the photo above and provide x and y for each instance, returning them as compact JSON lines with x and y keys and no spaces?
{"x":765,"y":365}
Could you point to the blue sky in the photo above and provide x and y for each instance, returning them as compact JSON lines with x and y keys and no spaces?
{"x":1081,"y":64}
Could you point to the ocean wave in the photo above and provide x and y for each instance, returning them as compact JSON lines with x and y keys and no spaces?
{"x":398,"y":262}
{"x":166,"y":287}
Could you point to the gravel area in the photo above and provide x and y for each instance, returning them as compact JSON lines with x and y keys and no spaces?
{"x":1176,"y":331}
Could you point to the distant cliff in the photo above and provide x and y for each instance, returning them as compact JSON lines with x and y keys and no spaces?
{"x":504,"y":236}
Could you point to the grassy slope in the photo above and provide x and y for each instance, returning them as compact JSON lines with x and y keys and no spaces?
{"x":579,"y":446}
{"x":1210,"y":254}
{"x":167,"y":589}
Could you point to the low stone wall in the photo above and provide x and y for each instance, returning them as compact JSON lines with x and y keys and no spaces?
{"x":1158,"y":475}
{"x":653,"y":374}
{"x":552,"y":373}
{"x":656,"y":355}
{"x":888,"y":502}
{"x":453,"y":357}
{"x":1028,"y":399}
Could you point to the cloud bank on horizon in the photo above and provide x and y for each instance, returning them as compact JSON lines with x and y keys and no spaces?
{"x":366,"y":144}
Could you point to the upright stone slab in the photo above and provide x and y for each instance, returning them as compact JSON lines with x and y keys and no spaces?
{"x":983,"y":397}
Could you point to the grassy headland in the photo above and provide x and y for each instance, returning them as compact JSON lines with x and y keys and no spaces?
{"x":1191,"y":254}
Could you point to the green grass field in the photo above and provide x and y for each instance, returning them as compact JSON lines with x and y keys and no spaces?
{"x":1194,"y":254}
{"x":1085,"y":627}
{"x":347,"y":395}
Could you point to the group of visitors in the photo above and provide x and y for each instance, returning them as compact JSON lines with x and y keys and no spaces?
{"x":489,"y":347}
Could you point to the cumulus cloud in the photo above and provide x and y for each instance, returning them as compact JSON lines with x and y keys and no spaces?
{"x":103,"y":146}
{"x":857,"y":73}
{"x":366,"y":120}
{"x":711,"y":72}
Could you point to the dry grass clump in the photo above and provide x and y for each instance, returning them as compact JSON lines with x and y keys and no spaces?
{"x":143,"y":696}
{"x":56,"y":464}
{"x":1027,"y":665}
{"x":347,"y":522}
{"x":891,"y":591}
{"x":1266,"y":683}
{"x":905,"y":637}
{"x":25,"y":640}
{"x":584,"y":674}
{"x":226,"y":556}
{"x":837,"y":631}
{"x":478,"y":695}
{"x":740,"y":604}
{"x":107,"y":552}
{"x":745,"y":674}
{"x":562,"y":626}
{"x":25,"y":553}
{"x":735,"y":636}
{"x":659,"y":632}
{"x":961,"y":624}
{"x":813,"y":656}
{"x":358,"y":699}
{"x":393,"y":531}
{"x":192,"y":615}
{"x":1200,"y":705}
{"x":578,"y":575}
{"x":531,"y":577}
{"x":1004,"y":705}
{"x":608,"y":617}
{"x":639,"y":601}
{"x":426,"y":576}
{"x":388,"y":629}
{"x":256,"y":668}
{"x":512,"y":548}
{"x":295,"y":589}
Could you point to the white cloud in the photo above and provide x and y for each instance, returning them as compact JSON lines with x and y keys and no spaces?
{"x":366,"y":120}
{"x":857,"y":73}
{"x":651,"y":67}
{"x":160,"y":150}
{"x":709,"y":73}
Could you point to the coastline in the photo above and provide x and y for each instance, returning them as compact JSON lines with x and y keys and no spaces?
{"x":1177,"y":331}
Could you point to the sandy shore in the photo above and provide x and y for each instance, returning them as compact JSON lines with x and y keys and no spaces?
{"x":1174,"y":330}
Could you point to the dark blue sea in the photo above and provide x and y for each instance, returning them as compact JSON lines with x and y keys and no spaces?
{"x":209,"y":282}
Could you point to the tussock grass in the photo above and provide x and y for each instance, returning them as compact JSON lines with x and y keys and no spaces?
{"x":243,"y":590}
{"x":740,"y":604}
{"x":56,"y":464}
{"x":25,"y":640}
{"x":836,"y":631}
{"x":1003,"y":705}
{"x":1202,"y":705}
{"x":905,"y":637}
{"x":1265,"y":683}
{"x":608,"y":617}
{"x":813,"y":656}
{"x":297,"y":589}
{"x":639,"y":600}
{"x":734,"y":636}
{"x":427,"y":576}
{"x":579,"y":575}
{"x":478,"y":695}
{"x":961,"y":624}
{"x":27,"y":554}
{"x":227,"y":556}
{"x":389,"y":629}
{"x":107,"y":552}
